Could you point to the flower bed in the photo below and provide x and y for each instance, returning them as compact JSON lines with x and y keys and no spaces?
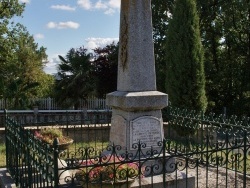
{"x":108,"y":170}
{"x":48,"y":135}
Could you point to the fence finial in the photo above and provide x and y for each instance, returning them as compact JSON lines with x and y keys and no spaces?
{"x":56,"y":143}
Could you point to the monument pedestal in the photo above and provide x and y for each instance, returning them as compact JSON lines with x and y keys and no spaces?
{"x":136,"y":117}
{"x":136,"y":105}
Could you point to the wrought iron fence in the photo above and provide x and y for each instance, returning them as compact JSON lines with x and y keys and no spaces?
{"x":30,"y":162}
{"x":198,"y":151}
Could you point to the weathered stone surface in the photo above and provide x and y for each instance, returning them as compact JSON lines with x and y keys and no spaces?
{"x":134,"y":101}
{"x":136,"y":69}
{"x":63,"y":174}
{"x":147,"y":130}
{"x":119,"y":132}
{"x":136,"y":96}
{"x":121,"y":135}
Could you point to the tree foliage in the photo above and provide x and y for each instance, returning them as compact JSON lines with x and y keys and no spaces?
{"x":21,"y":59}
{"x":225,"y":35}
{"x":106,"y":63}
{"x":76,"y":79}
{"x":8,"y":9}
{"x":185,"y":81}
{"x":226,"y":38}
{"x":160,"y":17}
{"x":82,"y":74}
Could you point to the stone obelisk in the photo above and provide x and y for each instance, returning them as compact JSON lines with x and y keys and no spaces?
{"x":136,"y":105}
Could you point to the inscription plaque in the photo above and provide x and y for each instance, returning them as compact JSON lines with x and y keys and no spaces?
{"x":146,"y":129}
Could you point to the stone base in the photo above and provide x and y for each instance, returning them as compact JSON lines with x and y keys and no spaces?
{"x":137,"y":101}
{"x":136,"y":117}
{"x":63,"y":174}
{"x":130,"y":128}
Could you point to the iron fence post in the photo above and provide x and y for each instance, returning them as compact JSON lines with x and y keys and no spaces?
{"x":164,"y":162}
{"x":6,"y":138}
{"x":55,"y":162}
{"x":140,"y":163}
{"x":207,"y":155}
{"x":202,"y":119}
{"x":27,"y":156}
{"x":245,"y":158}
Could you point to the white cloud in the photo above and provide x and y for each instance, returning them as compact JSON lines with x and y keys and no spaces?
{"x":51,"y":25}
{"x":93,"y":43}
{"x":100,"y":5}
{"x":38,"y":36}
{"x":114,"y":3}
{"x":63,"y":7}
{"x":110,"y":11}
{"x":108,"y":6}
{"x":52,"y":64}
{"x":63,"y":25}
{"x":85,"y":4}
{"x":24,"y":1}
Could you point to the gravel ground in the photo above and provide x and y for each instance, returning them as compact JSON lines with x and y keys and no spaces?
{"x":223,"y":179}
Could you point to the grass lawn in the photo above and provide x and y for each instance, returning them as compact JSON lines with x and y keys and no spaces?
{"x":2,"y":155}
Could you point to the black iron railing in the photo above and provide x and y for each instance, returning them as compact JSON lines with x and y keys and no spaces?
{"x":198,"y":151}
{"x":28,"y":160}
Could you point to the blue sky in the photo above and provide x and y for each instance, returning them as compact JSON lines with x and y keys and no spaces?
{"x":59,"y":25}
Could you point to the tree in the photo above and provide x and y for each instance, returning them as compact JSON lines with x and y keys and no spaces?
{"x":235,"y":56}
{"x":76,"y":77}
{"x":161,"y":14}
{"x":225,"y":37}
{"x":8,"y":9}
{"x":83,"y":74}
{"x":211,"y":31}
{"x":225,"y":33}
{"x":46,"y":85}
{"x":106,"y":63}
{"x":185,"y":81}
{"x":22,"y":77}
{"x":21,"y":59}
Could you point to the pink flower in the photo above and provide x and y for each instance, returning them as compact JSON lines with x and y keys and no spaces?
{"x":111,"y":168}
